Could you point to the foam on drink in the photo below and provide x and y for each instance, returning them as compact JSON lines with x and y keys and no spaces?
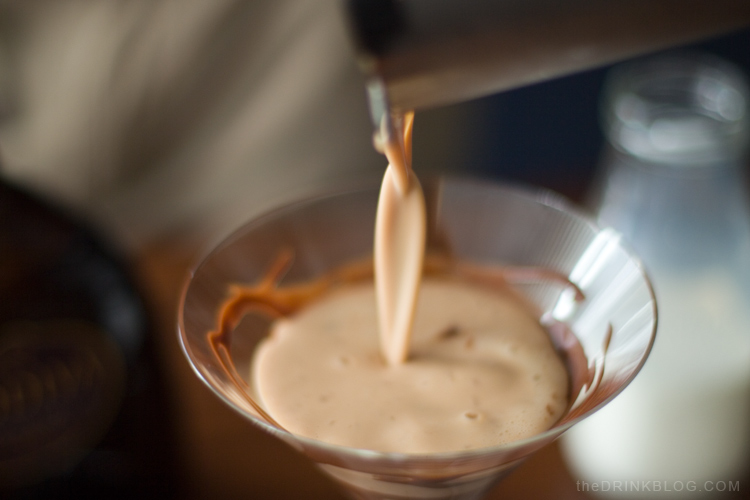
{"x":481,"y":372}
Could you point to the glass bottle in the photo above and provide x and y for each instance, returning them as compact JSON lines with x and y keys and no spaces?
{"x":673,"y":183}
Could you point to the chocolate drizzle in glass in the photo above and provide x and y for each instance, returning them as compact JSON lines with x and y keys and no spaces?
{"x":271,"y":300}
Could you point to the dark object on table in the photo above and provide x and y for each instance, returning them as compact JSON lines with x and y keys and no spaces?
{"x":82,"y":413}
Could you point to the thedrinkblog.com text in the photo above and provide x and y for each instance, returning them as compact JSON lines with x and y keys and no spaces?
{"x":658,"y":486}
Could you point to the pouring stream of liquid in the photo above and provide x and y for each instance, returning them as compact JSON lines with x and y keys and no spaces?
{"x":400,"y":229}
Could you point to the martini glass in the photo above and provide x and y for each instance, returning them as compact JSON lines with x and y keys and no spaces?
{"x":606,"y":336}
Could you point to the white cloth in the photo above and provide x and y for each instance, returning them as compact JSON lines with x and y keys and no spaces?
{"x":153,"y":116}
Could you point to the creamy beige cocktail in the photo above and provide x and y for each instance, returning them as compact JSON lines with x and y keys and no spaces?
{"x":407,"y":364}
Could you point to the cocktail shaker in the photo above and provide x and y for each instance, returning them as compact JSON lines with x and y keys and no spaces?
{"x":420,"y":54}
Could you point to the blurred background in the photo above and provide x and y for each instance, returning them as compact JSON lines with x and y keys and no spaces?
{"x":548,"y":134}
{"x":133,"y":134}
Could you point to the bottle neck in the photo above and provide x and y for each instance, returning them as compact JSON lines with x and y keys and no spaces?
{"x":674,"y":179}
{"x":681,"y":113}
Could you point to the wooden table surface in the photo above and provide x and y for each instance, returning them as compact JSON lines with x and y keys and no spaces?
{"x":221,"y":455}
